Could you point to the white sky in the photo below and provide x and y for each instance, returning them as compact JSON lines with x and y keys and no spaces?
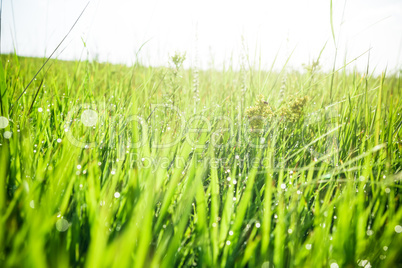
{"x":115,"y":29}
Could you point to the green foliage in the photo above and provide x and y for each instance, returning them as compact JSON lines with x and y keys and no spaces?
{"x":292,"y":110}
{"x":174,"y":87}
{"x":259,"y":113}
{"x":289,"y":111}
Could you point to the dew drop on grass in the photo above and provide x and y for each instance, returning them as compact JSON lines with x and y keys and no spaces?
{"x":265,"y":265}
{"x":258,"y":225}
{"x":58,"y":140}
{"x":40,"y":110}
{"x":283,"y":186}
{"x":79,"y":167}
{"x":32,"y":204}
{"x":89,"y":118}
{"x":116,"y":194}
{"x":398,"y":229}
{"x":365,"y":264}
{"x":308,"y":246}
{"x":3,"y":122}
{"x":7,"y":134}
{"x":387,"y":190}
{"x":62,"y":225}
{"x":334,"y":265}
{"x":228,"y":242}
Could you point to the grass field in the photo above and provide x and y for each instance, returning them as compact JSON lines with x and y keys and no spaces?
{"x":111,"y":166}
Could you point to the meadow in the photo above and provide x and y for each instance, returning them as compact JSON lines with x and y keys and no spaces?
{"x":106,"y":165}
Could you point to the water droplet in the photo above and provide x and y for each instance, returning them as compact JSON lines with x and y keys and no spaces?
{"x":40,"y":110}
{"x":308,"y":246}
{"x":32,"y":204}
{"x":89,"y":118}
{"x":58,"y":140}
{"x":258,"y":225}
{"x":283,"y":186}
{"x":228,"y":242}
{"x":62,"y":225}
{"x":398,"y":229}
{"x":3,"y":122}
{"x":334,"y":265}
{"x":265,"y":265}
{"x":7,"y":134}
{"x":387,"y":190}
{"x":79,"y":167}
{"x":116,"y":194}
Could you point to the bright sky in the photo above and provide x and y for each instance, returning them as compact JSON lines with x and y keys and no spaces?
{"x":114,"y":30}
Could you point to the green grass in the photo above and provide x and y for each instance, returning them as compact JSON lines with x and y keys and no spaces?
{"x":323,"y":191}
